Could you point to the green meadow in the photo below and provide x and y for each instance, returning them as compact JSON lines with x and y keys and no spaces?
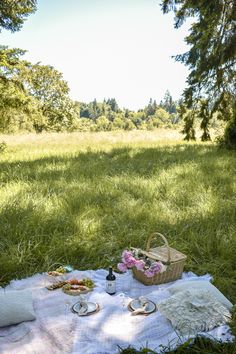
{"x":81,"y":198}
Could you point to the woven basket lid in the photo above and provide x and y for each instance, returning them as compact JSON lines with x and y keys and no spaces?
{"x":164,"y":253}
{"x":161,"y":254}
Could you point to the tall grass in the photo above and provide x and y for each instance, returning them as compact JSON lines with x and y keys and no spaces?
{"x":82,"y":198}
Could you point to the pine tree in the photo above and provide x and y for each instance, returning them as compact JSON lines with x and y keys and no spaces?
{"x":14,"y":12}
{"x":212,"y":54}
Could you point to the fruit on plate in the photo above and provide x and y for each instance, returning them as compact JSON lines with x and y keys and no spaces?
{"x":75,"y":287}
{"x":75,"y":282}
{"x":85,"y":282}
{"x":59,"y":271}
{"x":78,"y":286}
{"x":88,"y":282}
{"x":56,"y":285}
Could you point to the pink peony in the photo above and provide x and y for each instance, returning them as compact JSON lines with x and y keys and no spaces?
{"x":156,"y":267}
{"x":149,"y":273}
{"x":131,"y":262}
{"x":122,"y":267}
{"x":139,"y":264}
{"x":126,"y":256}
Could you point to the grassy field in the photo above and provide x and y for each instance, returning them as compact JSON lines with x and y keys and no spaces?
{"x":82,"y":198}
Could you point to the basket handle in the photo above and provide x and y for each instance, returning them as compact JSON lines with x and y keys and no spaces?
{"x":165,"y":241}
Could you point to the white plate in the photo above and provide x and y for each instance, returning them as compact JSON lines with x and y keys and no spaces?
{"x":92,"y":307}
{"x":136,"y":304}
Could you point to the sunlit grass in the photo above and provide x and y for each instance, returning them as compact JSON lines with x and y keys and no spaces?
{"x":80,"y":199}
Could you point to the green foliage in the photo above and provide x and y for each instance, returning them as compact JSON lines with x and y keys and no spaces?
{"x":205,"y":114}
{"x":83,"y":125}
{"x":80,"y":197}
{"x":18,"y":110}
{"x":151,"y":108}
{"x":92,"y":110}
{"x":13,"y":13}
{"x":188,"y":118}
{"x":12,"y":92}
{"x":118,"y":123}
{"x":35,"y":97}
{"x":162,"y":116}
{"x":168,"y":103}
{"x":103,"y":124}
{"x":229,"y":138}
{"x":47,"y":86}
{"x":129,"y":125}
{"x":198,"y":346}
{"x":151,"y":117}
{"x":113,"y":105}
{"x":211,"y":57}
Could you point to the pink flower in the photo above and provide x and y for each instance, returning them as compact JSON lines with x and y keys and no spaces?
{"x":139,"y":264}
{"x":126,"y":256}
{"x":128,"y":259}
{"x":122,"y":267}
{"x":156,"y":267}
{"x":149,"y":273}
{"x":131,"y":262}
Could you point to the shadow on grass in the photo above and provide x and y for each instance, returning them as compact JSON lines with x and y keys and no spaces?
{"x":143,"y":162}
{"x":84,"y":209}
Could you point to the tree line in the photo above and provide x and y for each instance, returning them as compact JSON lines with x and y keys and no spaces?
{"x":36,"y":96}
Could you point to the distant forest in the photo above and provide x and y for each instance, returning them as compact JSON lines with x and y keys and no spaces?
{"x":34,"y":97}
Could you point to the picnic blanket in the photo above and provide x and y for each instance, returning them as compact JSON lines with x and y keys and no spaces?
{"x":57,"y":330}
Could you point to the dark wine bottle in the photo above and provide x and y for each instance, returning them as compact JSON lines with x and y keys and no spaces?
{"x":111,"y":282}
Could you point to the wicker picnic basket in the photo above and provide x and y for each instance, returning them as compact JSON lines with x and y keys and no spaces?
{"x":173,"y":259}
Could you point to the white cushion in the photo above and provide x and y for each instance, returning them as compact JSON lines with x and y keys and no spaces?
{"x":194,"y":310}
{"x":15,"y":307}
{"x":202,"y":285}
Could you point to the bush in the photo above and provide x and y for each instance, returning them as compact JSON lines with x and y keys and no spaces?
{"x":83,"y":125}
{"x":229,"y":138}
{"x":102,"y":124}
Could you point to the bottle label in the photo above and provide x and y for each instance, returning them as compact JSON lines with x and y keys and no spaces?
{"x":110,"y":286}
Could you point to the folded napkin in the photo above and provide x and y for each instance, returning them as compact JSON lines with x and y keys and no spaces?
{"x":83,"y":308}
{"x":143,"y":306}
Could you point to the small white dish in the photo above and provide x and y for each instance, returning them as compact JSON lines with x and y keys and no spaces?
{"x":92,"y":307}
{"x":137,"y":304}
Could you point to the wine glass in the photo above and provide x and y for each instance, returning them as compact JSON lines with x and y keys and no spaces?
{"x":125,"y":288}
{"x":123,"y":298}
{"x":67,"y":307}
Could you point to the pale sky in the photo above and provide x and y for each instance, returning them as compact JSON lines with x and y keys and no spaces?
{"x":106,"y":48}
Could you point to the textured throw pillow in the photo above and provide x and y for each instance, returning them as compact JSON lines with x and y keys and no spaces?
{"x":193,"y":311}
{"x":16,"y":306}
{"x":202,"y":285}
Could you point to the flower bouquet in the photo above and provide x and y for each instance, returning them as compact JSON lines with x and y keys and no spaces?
{"x":157,"y":265}
{"x":136,"y":259}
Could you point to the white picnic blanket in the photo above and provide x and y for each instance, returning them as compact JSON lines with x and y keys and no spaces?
{"x":57,"y":330}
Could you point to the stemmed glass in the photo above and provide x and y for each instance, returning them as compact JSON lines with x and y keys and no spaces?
{"x":126,"y":287}
{"x":67,"y":306}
